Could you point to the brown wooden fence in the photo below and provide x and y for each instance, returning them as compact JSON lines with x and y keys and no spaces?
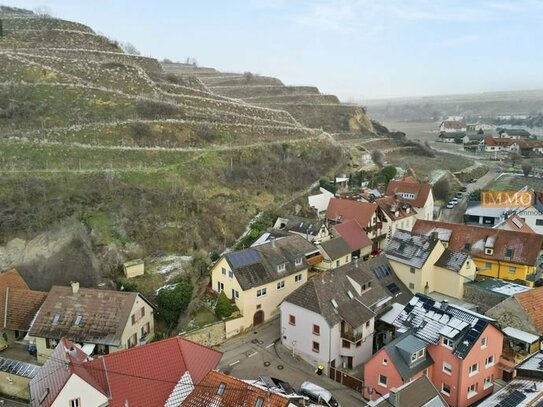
{"x":345,"y":379}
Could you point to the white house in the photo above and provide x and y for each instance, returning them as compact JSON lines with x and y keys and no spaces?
{"x":454,"y":126}
{"x":330,"y":320}
{"x":320,"y":201}
{"x":312,"y":230}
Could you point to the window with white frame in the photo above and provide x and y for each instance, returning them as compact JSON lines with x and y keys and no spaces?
{"x":472,"y":390}
{"x":235,"y":294}
{"x":281,"y":267}
{"x":297,"y":278}
{"x":446,"y":389}
{"x":223,"y":270}
{"x":489,"y":361}
{"x":298,"y":261}
{"x":261,"y":292}
{"x":382,"y":380}
{"x":487,"y":382}
{"x":385,"y":362}
{"x":230,"y":274}
{"x":75,"y":402}
{"x":417,"y":355}
{"x":447,"y":368}
{"x":448,"y":343}
{"x":280,"y":284}
{"x":220,"y":286}
{"x":484,"y":342}
{"x":473,"y":369}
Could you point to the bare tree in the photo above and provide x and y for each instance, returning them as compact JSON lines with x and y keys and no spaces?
{"x":43,"y":11}
{"x":442,"y":189}
{"x":378,"y":157}
{"x":248,"y":76}
{"x":526,"y":169}
{"x":129,"y":48}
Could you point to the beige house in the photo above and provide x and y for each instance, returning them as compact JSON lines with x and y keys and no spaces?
{"x":335,"y":253}
{"x":425,"y":266}
{"x":99,"y":321}
{"x":398,"y":214}
{"x":259,"y":278}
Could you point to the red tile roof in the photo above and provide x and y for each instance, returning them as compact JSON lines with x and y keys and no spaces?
{"x":18,"y":303}
{"x":408,"y":185}
{"x":453,"y":124}
{"x":531,"y":301}
{"x":355,"y":237}
{"x":54,"y":374}
{"x":525,"y":246}
{"x":144,"y":376}
{"x":516,"y":223}
{"x":402,"y":207}
{"x":236,"y":393}
{"x":342,"y":210}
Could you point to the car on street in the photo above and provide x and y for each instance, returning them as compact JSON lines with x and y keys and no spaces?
{"x":450,"y":205}
{"x":464,"y":189}
{"x":454,"y":200}
{"x":318,"y":394}
{"x":473,"y":181}
{"x":459,"y":195}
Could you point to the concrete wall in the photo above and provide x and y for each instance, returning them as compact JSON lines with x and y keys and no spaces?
{"x":210,"y":335}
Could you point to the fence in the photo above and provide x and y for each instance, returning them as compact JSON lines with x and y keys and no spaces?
{"x":345,"y":379}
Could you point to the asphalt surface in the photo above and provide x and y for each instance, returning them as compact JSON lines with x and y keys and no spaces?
{"x":260,"y":353}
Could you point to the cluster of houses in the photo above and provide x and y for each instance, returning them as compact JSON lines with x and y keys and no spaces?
{"x":489,"y":139}
{"x":406,"y":310}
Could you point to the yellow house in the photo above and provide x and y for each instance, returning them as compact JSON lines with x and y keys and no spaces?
{"x":100,"y":321}
{"x":504,"y":254}
{"x":335,"y":253}
{"x":260,"y":277}
{"x":425,"y":266}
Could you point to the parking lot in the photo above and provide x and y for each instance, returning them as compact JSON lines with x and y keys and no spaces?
{"x":260,"y":353}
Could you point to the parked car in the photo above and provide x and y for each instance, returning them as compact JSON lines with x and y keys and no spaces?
{"x":459,"y":195}
{"x":318,"y":394}
{"x":376,"y":252}
{"x":454,"y":200}
{"x":450,"y":205}
{"x":464,"y":189}
{"x":473,"y":181}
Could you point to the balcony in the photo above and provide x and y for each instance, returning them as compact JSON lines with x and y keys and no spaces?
{"x":315,"y":259}
{"x":351,"y":336}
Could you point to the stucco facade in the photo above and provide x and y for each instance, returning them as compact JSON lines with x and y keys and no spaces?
{"x":456,"y":379}
{"x":298,"y":335}
{"x":328,"y":263}
{"x":77,"y":388}
{"x":251,"y":301}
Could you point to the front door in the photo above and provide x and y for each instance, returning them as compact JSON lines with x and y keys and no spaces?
{"x":258,"y":318}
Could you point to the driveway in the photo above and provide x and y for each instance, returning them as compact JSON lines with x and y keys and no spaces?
{"x":260,"y":353}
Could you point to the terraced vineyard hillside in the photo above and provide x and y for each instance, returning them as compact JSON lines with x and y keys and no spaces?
{"x":305,"y":103}
{"x":151,"y":162}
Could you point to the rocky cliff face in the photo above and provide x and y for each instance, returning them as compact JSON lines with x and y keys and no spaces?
{"x":58,"y":256}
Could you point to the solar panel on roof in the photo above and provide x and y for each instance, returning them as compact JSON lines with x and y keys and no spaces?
{"x":243,"y":258}
{"x":18,"y":368}
{"x":393,"y":288}
{"x":381,"y":272}
{"x":512,"y":400}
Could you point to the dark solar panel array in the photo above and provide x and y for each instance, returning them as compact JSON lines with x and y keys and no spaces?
{"x":382,"y":271}
{"x":393,"y":288}
{"x":512,"y":400}
{"x":243,"y":258}
{"x":18,"y":368}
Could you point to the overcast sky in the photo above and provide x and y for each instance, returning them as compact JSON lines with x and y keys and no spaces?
{"x":356,"y":49}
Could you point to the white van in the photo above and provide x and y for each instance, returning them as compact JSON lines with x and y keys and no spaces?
{"x":317,"y":394}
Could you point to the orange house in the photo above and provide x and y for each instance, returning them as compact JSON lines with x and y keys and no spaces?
{"x":456,"y":348}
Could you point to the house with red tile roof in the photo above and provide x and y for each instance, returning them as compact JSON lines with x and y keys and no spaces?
{"x":18,"y":305}
{"x":355,"y":237}
{"x":159,"y":374}
{"x":219,"y":389}
{"x":367,"y":215}
{"x":452,"y":126}
{"x":412,"y":192}
{"x":505,"y":254}
{"x":398,"y":214}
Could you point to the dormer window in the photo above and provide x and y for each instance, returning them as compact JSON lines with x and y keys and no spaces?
{"x":298,"y":261}
{"x":417,"y":355}
{"x":509,"y":253}
{"x":281,"y":267}
{"x":489,"y":251}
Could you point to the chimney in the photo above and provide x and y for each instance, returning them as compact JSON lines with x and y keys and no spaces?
{"x":356,"y":261}
{"x":394,"y":397}
{"x":444,"y":305}
{"x":434,"y":235}
{"x":75,"y":287}
{"x":72,"y":352}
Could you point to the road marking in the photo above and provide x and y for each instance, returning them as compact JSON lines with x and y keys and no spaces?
{"x":252,"y":354}
{"x":234,"y":363}
{"x":270,"y":345}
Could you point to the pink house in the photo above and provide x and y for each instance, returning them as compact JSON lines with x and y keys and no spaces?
{"x":457,"y":349}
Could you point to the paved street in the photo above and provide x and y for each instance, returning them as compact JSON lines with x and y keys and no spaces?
{"x":260,"y":353}
{"x":456,"y":214}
